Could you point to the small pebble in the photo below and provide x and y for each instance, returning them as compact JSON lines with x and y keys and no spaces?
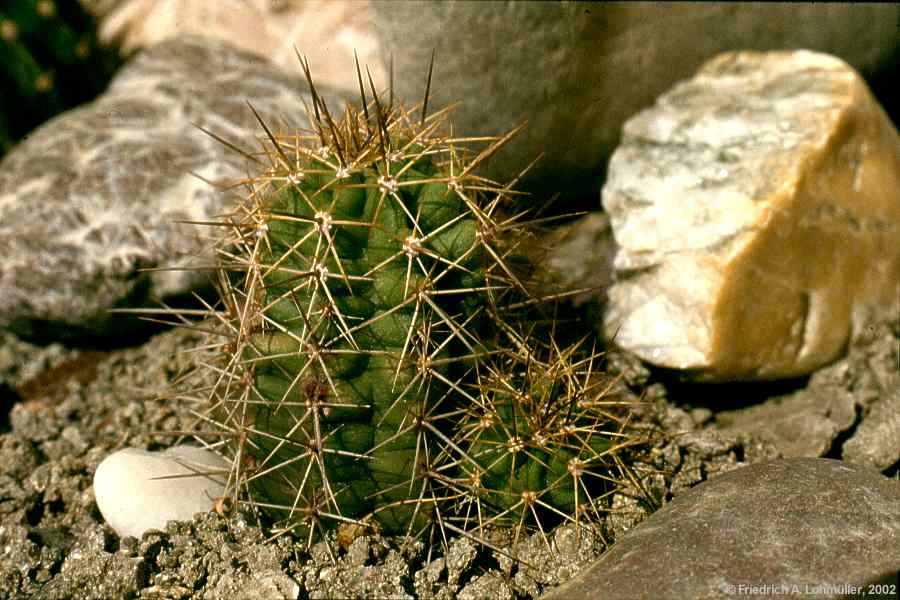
{"x":137,"y":490}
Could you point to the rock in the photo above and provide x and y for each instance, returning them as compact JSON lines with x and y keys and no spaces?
{"x":575,"y":71}
{"x":489,"y":585}
{"x":271,"y":585}
{"x":326,"y":32}
{"x":579,"y":259}
{"x":849,"y":409}
{"x":813,"y":525}
{"x":872,"y":371}
{"x":90,"y":573}
{"x":804,"y":423}
{"x":387,"y":578}
{"x":757,"y":212}
{"x":876,"y":442}
{"x":137,"y":490}
{"x":94,"y":195}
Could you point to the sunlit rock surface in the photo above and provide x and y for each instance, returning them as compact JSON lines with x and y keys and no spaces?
{"x":757,"y":212}
{"x":137,"y":490}
{"x":105,"y":190}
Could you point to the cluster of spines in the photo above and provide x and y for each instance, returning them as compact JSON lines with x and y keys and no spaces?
{"x":367,"y":287}
{"x":543,"y":437}
{"x":50,"y":60}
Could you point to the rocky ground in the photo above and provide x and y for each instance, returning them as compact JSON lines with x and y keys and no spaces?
{"x":86,"y":235}
{"x":68,"y":409}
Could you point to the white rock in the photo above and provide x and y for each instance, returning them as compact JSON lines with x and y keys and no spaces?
{"x":756,"y":208}
{"x":137,"y":490}
{"x":327,"y":32}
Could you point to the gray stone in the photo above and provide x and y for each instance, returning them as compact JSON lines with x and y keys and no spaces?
{"x":876,"y":442}
{"x":270,"y":585}
{"x":440,"y":578}
{"x":856,"y":399}
{"x":548,"y":559}
{"x":95,"y":195}
{"x":805,"y":423}
{"x":798,"y":522}
{"x":872,"y":372}
{"x":575,"y":71}
{"x":756,"y":208}
{"x":137,"y":490}
{"x":92,"y":574}
{"x":387,"y":579}
{"x":489,"y":585}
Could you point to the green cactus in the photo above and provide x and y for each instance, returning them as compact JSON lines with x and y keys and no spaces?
{"x":543,"y":438}
{"x":372,"y":371}
{"x":369,"y":271}
{"x":50,"y":60}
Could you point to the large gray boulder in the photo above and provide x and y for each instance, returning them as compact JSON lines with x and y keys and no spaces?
{"x":805,"y":527}
{"x":101,"y":192}
{"x":577,"y":70}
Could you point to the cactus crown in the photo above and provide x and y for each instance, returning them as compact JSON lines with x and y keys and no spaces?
{"x":372,"y":369}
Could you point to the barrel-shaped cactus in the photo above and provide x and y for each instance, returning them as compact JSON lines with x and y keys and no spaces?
{"x":543,"y":438}
{"x":366,"y":270}
{"x":50,"y":60}
{"x":373,"y":369}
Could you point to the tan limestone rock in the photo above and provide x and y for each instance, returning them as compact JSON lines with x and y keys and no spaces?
{"x":757,"y":211}
{"x":327,"y":32}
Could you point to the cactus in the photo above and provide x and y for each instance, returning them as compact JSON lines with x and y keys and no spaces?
{"x":543,"y":438}
{"x":50,"y":60}
{"x":371,"y":371}
{"x":366,"y":269}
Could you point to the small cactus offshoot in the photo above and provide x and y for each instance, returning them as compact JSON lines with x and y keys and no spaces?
{"x":371,"y":371}
{"x":543,"y":438}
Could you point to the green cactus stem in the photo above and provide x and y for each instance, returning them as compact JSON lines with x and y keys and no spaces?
{"x":367,"y":265}
{"x":543,"y":438}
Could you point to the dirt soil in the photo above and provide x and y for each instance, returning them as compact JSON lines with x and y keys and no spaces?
{"x":65,"y":410}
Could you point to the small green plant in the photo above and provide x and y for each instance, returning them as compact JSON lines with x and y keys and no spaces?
{"x":365,"y":270}
{"x":543,"y":436}
{"x":50,"y":60}
{"x":372,"y":368}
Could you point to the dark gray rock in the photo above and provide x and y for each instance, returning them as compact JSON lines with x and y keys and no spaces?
{"x":802,"y":522}
{"x":820,"y":417}
{"x":849,"y":409}
{"x":93,"y":196}
{"x":577,"y":70}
